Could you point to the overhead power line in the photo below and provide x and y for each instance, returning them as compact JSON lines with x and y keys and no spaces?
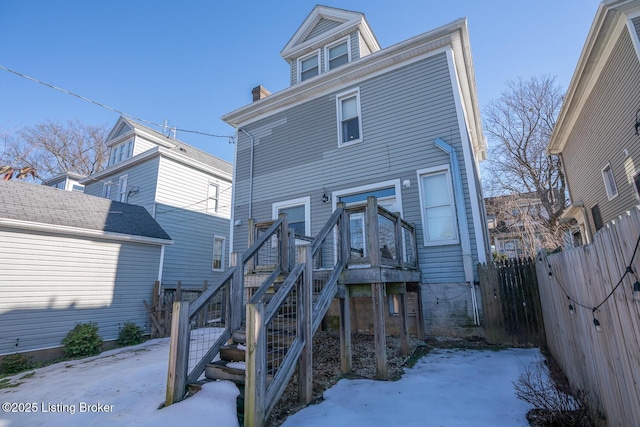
{"x":99,"y":104}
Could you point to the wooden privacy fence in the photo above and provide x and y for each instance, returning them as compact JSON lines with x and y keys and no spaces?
{"x":605,"y":363}
{"x":512,"y":313}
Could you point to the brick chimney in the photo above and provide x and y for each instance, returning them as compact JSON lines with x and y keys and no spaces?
{"x":259,"y":92}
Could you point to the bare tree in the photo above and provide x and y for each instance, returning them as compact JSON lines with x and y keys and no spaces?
{"x":52,"y":148}
{"x":519,"y":125}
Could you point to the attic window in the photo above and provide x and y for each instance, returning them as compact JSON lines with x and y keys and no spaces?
{"x":337,"y":54}
{"x":309,"y":66}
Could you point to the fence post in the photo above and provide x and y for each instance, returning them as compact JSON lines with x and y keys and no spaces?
{"x":256,"y":366}
{"x":399,"y":240}
{"x":251,"y":236}
{"x":344,"y":238}
{"x":372,"y":231}
{"x":237,"y":292}
{"x":178,"y":353}
{"x":305,"y":364}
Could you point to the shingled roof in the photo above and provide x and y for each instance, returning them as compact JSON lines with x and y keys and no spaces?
{"x":47,"y":205}
{"x":186,"y":149}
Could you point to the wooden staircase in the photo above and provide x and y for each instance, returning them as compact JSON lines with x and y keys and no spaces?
{"x":280,"y":291}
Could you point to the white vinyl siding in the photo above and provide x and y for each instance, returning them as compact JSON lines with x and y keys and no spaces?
{"x":50,"y":282}
{"x":349,"y":122}
{"x":438,"y":210}
{"x":609,"y":182}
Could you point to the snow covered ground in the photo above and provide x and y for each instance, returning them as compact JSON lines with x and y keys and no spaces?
{"x":126,"y":386}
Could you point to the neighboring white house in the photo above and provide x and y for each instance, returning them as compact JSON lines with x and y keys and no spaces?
{"x":68,"y":181}
{"x":401,"y":123}
{"x":185,"y":189}
{"x":67,"y":258}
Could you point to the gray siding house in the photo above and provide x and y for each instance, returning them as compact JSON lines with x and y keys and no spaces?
{"x":185,"y":189}
{"x":401,"y":123}
{"x":69,"y":258}
{"x":596,"y":134}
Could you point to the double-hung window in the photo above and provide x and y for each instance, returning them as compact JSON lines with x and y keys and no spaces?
{"x":337,"y":54}
{"x":438,"y":207}
{"x":123,"y":193}
{"x":309,"y":66}
{"x":298,"y":214}
{"x":349,"y":123}
{"x":106,"y":190}
{"x":212,"y":197}
{"x":218,"y":253}
{"x":609,"y":182}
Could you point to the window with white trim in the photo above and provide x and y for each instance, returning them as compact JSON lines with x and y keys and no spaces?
{"x":309,"y":66}
{"x":298,"y":214}
{"x":218,"y":253}
{"x":212,"y":197}
{"x":123,"y":192}
{"x":438,"y":208}
{"x":337,"y":54}
{"x":609,"y":182}
{"x":121,"y":152}
{"x":106,"y":190}
{"x":349,"y":123}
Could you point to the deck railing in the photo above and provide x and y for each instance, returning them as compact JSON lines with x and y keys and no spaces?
{"x":280,"y":330}
{"x":201,"y":328}
{"x":374,"y":229}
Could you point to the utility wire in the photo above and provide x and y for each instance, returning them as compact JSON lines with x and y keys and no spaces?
{"x":99,"y":104}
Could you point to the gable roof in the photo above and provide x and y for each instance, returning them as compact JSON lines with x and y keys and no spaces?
{"x":608,"y":24}
{"x":25,"y":205}
{"x":324,"y":24}
{"x":454,"y":35}
{"x":119,"y":131}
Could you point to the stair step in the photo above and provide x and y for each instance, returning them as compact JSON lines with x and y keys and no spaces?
{"x":233,"y":353}
{"x":219,"y":370}
{"x":239,"y":336}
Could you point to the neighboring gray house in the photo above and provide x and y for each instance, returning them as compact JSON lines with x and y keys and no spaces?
{"x":401,"y":123}
{"x":185,"y":189}
{"x":68,"y":181}
{"x":596,"y":134}
{"x":68,"y":258}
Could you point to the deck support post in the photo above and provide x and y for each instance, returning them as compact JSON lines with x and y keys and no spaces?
{"x":404,"y":328}
{"x":377,"y":297}
{"x":255,"y":375}
{"x":345,"y":332}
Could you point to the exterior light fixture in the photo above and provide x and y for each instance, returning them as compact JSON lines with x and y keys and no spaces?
{"x":596,"y":323}
{"x":572,"y":310}
{"x":325,"y":196}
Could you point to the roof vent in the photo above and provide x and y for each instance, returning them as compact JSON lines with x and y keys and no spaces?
{"x":184,"y":150}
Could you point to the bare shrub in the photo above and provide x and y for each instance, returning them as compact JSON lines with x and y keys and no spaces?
{"x":553,"y":406}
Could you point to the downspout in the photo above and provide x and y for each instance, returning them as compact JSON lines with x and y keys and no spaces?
{"x":250,"y":172}
{"x":161,"y":265}
{"x":587,"y":227}
{"x":465,"y":240}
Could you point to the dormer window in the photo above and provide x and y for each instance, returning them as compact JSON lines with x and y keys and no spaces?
{"x":121,"y":152}
{"x":309,"y":66}
{"x":337,"y":54}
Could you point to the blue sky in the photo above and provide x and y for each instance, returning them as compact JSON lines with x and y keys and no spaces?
{"x":191,"y":62}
